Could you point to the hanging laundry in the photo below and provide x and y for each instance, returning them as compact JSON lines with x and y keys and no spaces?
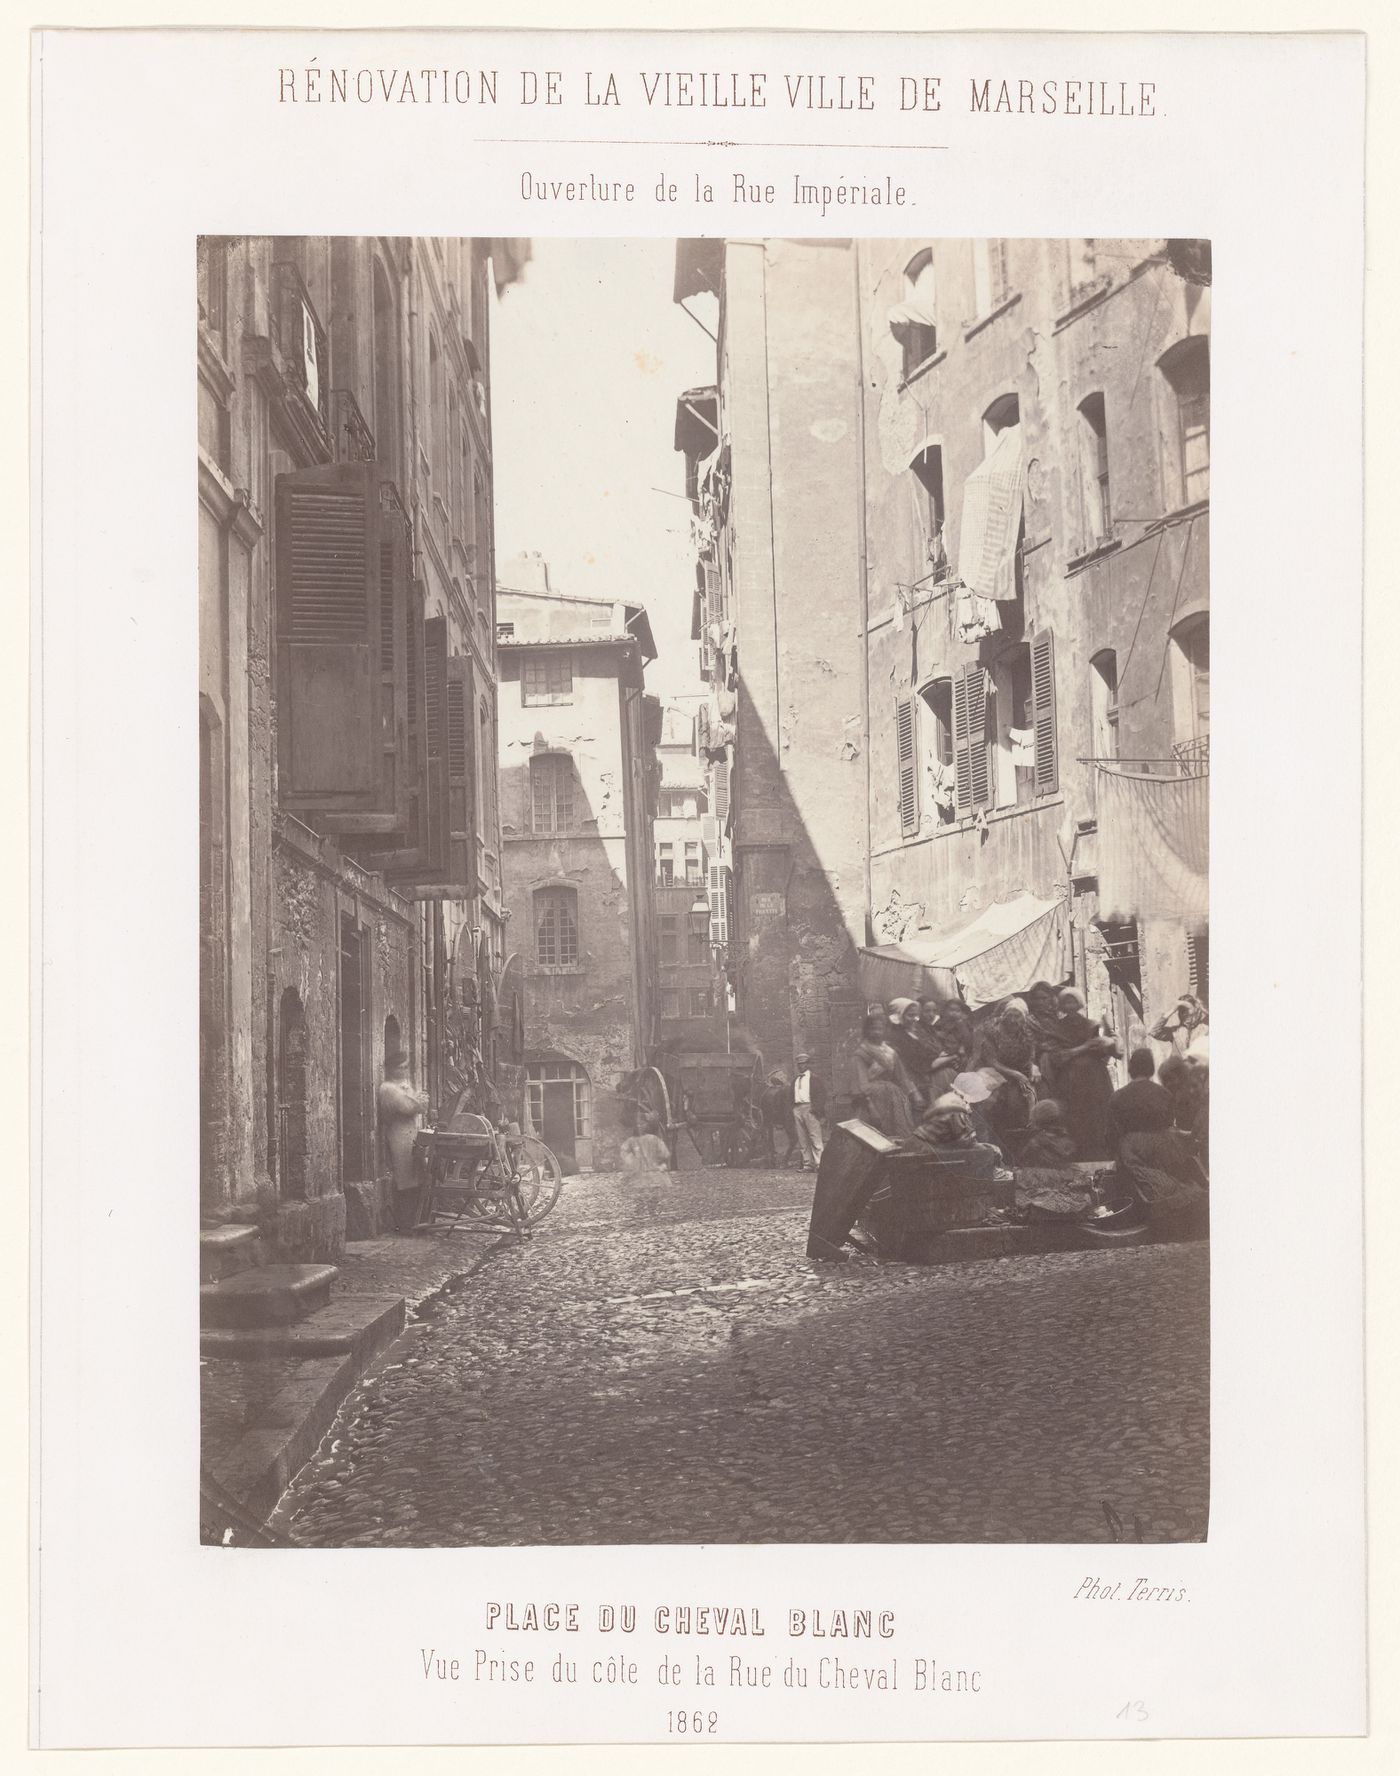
{"x":991,"y":519}
{"x":1153,"y":846}
{"x":942,"y":784}
{"x":1022,"y":747}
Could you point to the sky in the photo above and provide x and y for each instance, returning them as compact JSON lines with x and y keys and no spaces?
{"x":588,"y":355}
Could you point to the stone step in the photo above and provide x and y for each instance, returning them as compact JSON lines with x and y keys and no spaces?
{"x":359,"y":1326}
{"x":274,"y":1295}
{"x":224,"y":1251}
{"x":331,"y":1349}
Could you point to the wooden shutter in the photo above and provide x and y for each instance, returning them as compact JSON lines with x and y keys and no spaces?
{"x":970,"y":760}
{"x":339,"y":552}
{"x":416,"y":763}
{"x":435,"y":721}
{"x":908,"y":773}
{"x":461,"y":775}
{"x":1047,"y":765}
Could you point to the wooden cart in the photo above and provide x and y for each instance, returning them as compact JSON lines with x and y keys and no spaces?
{"x":713,"y":1099}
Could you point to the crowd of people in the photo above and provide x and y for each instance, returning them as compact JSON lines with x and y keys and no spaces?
{"x":1030,"y":1084}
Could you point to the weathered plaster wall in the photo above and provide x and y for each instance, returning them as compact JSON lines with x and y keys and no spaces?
{"x":587,"y":1012}
{"x":1125,"y":599}
{"x":788,"y":402}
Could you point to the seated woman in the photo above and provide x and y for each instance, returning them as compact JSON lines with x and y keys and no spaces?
{"x":956,"y":1043}
{"x":1048,"y":1142}
{"x":1007,"y":1048}
{"x":883,"y":1086}
{"x":947,"y":1129}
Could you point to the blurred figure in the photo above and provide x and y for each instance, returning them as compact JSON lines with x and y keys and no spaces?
{"x":646,"y":1152}
{"x":808,"y":1106}
{"x":1048,"y":1141}
{"x":1142,"y":1106}
{"x":1084,"y":1085}
{"x":1006,"y":1046}
{"x":882,"y":1084}
{"x":1184,"y":1026}
{"x":400,"y":1105}
{"x":776,"y":1107}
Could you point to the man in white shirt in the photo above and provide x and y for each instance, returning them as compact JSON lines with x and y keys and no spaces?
{"x":807,"y":1107}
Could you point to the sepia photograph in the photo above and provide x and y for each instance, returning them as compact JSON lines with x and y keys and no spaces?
{"x":704,"y":969}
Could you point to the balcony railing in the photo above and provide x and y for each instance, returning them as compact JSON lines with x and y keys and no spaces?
{"x":1193,"y":756}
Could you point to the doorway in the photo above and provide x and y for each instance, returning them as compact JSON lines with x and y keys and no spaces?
{"x":560,"y":1109}
{"x":354,"y":1034}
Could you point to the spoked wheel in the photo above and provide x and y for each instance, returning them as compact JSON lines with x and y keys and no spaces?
{"x":509,"y":1183}
{"x":653,"y":1102}
{"x":540,"y":1177}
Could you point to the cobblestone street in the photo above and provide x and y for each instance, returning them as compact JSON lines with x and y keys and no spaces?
{"x":661,"y":1363}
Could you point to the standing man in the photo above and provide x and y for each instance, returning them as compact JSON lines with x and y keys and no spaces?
{"x":808,"y":1104}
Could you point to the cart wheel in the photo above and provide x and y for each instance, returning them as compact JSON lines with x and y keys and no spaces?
{"x":653,"y":1101}
{"x":541,"y":1178}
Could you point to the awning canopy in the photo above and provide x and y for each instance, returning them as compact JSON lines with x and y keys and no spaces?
{"x":991,"y":520}
{"x":1004,"y":950}
{"x":1153,"y":846}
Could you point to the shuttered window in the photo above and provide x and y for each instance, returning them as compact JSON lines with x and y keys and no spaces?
{"x":908,"y":771}
{"x":342,"y":594}
{"x":971,"y":761}
{"x":1047,"y":765}
{"x":461,"y":776}
{"x":435,"y":719}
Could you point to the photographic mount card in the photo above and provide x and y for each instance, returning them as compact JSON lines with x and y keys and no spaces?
{"x":696,"y":551}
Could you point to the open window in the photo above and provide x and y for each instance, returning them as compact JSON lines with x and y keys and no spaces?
{"x":914,"y":322}
{"x":1191,"y":674}
{"x":1003,"y":414}
{"x":1186,"y":369}
{"x":1103,"y":703}
{"x":939,"y":759}
{"x":1013,"y":724}
{"x":1093,"y":457}
{"x":926,"y":466}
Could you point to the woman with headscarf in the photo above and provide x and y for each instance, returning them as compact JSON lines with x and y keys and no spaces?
{"x":955,"y":1041}
{"x":906,"y":1039}
{"x":1084,"y":1086}
{"x":882,"y":1082}
{"x":1007,"y":1047}
{"x":1042,"y":1021}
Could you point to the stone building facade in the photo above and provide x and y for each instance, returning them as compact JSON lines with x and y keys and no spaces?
{"x":772,"y":457}
{"x":350,"y":884}
{"x":689,"y":992}
{"x":952,"y":532}
{"x":1090,"y":361}
{"x":579,"y":781}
